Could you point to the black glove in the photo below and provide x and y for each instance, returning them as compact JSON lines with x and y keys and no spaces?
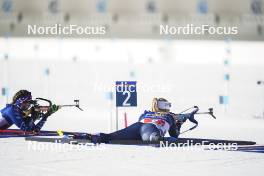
{"x":195,"y":111}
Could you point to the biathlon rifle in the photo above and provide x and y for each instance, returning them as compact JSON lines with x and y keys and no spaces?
{"x":191,"y":119}
{"x":37,"y":107}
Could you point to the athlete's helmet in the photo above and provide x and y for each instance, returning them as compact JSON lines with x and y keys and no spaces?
{"x":21,"y":97}
{"x":160,"y":105}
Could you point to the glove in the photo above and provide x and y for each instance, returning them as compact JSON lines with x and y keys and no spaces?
{"x":54,"y":108}
{"x":182,"y":118}
{"x":195,"y":111}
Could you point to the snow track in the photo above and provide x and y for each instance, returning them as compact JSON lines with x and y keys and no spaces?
{"x":17,"y":159}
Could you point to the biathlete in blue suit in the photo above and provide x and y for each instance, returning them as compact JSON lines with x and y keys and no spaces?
{"x":19,"y":113}
{"x":151,"y":126}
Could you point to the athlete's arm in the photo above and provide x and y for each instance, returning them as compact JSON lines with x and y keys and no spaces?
{"x":142,"y":116}
{"x":41,"y":123}
{"x":17,"y":118}
{"x":174,"y":131}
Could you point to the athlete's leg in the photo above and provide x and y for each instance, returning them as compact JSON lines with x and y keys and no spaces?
{"x":131,"y":132}
{"x":149,"y":132}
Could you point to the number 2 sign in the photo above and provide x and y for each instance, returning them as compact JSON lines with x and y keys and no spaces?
{"x":126,"y":93}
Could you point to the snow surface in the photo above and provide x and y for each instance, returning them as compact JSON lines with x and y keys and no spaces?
{"x":19,"y":157}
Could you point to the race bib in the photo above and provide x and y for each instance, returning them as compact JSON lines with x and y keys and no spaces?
{"x":161,"y":124}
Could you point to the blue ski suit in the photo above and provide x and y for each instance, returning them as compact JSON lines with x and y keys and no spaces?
{"x":11,"y":114}
{"x":151,"y":126}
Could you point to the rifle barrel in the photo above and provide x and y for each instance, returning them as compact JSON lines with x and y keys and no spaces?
{"x":202,"y":113}
{"x":67,"y":105}
{"x":77,"y":106}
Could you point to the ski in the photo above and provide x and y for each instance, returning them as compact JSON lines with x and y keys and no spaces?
{"x":9,"y":133}
{"x":185,"y":141}
{"x":246,"y":148}
{"x":61,"y":140}
{"x":255,"y":149}
{"x":178,"y":142}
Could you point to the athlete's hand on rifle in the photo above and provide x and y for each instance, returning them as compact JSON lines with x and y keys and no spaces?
{"x":54,"y":108}
{"x":196,"y":110}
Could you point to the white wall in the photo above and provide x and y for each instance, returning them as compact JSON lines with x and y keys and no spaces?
{"x":188,"y":72}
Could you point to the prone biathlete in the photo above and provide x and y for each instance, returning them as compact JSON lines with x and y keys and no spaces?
{"x":19,"y":113}
{"x":151,"y":126}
